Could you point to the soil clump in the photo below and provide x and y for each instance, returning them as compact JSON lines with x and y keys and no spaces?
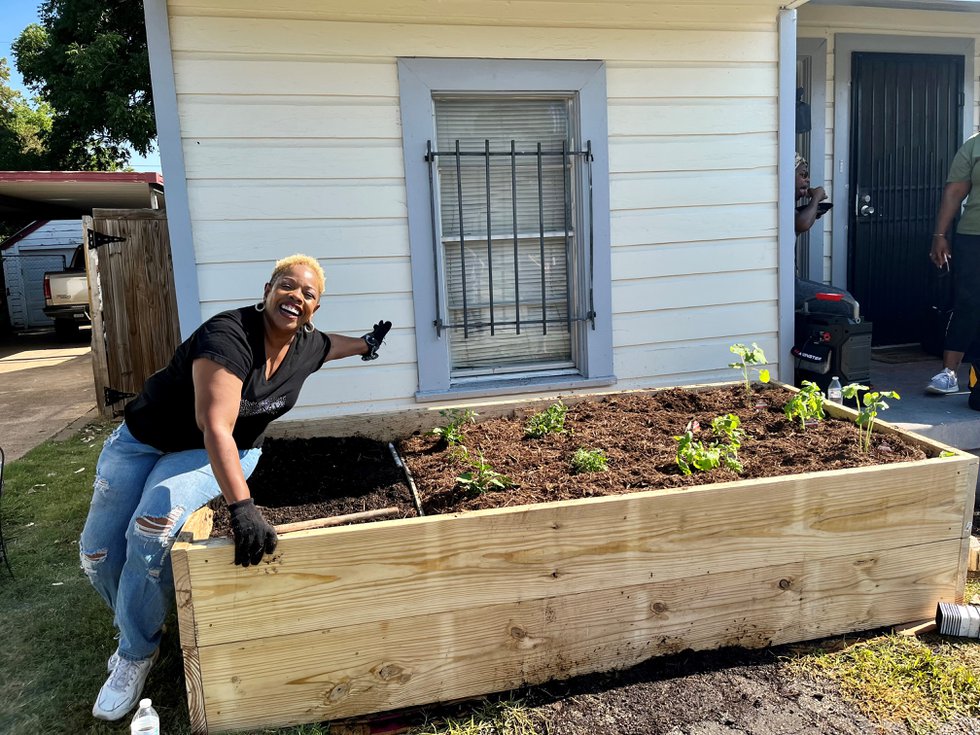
{"x":301,"y":479}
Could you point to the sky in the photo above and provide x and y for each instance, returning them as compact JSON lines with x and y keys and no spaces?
{"x":15,"y":15}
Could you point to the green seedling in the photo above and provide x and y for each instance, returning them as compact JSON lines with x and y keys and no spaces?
{"x":549,"y":421}
{"x":749,"y":356}
{"x":806,"y":405}
{"x":869,"y":406}
{"x":452,"y":431}
{"x":482,"y":477}
{"x":588,"y":460}
{"x":693,"y":454}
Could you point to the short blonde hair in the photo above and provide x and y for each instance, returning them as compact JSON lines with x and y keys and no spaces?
{"x":304,"y":260}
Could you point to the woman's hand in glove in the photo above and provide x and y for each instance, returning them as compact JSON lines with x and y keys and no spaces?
{"x":253,"y":534}
{"x":374,"y":339}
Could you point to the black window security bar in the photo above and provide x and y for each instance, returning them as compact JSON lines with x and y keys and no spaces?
{"x":513,"y":154}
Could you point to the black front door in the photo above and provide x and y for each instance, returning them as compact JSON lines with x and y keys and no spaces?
{"x":906,"y":112}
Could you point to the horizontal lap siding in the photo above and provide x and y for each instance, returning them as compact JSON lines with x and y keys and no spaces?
{"x":292,"y":142}
{"x":827,"y":22}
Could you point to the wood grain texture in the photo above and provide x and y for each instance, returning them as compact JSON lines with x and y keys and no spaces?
{"x":555,"y":549}
{"x":133,"y":299}
{"x":348,"y":670}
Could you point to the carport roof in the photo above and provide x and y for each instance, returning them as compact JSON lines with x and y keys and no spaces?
{"x":27,"y":195}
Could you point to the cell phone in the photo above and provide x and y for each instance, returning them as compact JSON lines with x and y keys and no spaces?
{"x":824,"y":207}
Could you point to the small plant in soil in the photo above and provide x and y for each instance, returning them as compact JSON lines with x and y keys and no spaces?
{"x":549,"y":421}
{"x":868,"y":409}
{"x":806,"y":405}
{"x":749,"y":356}
{"x":452,"y":431}
{"x":482,"y":477}
{"x":588,"y":460}
{"x":693,"y":454}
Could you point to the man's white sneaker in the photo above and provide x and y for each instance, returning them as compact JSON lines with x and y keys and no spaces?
{"x":943,"y":383}
{"x":123,"y":688}
{"x":113,"y":660}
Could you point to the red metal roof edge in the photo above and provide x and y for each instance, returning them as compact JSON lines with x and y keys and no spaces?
{"x":22,"y":233}
{"x":149,"y":177}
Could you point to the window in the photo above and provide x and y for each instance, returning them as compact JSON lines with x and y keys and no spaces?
{"x":508,"y":218}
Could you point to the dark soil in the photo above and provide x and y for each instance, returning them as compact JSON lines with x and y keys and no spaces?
{"x":724,"y":692}
{"x":300,"y":479}
{"x":727,"y":692}
{"x":636,"y":431}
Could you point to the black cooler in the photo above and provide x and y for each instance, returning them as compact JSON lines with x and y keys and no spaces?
{"x":830,"y":339}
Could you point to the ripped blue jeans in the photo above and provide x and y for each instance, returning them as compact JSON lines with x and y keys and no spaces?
{"x":142,"y":498}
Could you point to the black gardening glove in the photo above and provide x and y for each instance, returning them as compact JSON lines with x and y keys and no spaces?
{"x":253,"y":534}
{"x":374,"y":338}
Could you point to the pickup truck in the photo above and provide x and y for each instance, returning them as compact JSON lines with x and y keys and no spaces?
{"x":66,"y":297}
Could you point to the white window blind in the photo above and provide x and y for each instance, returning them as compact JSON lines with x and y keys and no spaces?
{"x":523,"y":266}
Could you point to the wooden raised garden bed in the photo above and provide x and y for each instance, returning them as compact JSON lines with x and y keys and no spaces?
{"x":352,"y":620}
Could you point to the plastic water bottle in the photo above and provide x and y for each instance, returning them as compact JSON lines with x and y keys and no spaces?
{"x":146,"y":721}
{"x":834,"y":392}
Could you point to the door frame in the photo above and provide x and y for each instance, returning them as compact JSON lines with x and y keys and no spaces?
{"x":816,"y":49}
{"x":845,"y":44}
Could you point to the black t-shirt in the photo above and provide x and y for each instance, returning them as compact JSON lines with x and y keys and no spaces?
{"x":163,"y":413}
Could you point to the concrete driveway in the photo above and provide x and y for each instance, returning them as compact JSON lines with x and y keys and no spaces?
{"x":45,"y":385}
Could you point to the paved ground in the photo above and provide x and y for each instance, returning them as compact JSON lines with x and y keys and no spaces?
{"x":45,"y":385}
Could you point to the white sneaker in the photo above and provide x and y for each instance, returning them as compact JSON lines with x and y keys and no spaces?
{"x":943,"y":383}
{"x":113,"y":660}
{"x":123,"y":688}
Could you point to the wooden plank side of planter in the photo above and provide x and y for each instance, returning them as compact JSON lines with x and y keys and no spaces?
{"x":412,"y":659}
{"x":196,"y":528}
{"x":441,"y":563}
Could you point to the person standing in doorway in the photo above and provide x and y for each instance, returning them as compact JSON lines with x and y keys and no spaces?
{"x":807,"y":214}
{"x":964,"y":323}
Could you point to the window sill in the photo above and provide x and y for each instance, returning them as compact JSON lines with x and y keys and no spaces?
{"x":505,"y":387}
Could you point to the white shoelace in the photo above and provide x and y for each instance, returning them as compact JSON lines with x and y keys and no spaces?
{"x":124,"y":674}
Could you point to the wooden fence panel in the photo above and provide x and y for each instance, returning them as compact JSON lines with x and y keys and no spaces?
{"x":134,"y":307}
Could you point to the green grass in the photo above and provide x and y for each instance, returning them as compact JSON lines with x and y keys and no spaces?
{"x":920,"y":682}
{"x":512,"y":717}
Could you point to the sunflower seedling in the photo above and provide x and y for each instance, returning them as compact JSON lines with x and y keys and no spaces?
{"x":588,"y":460}
{"x":452,"y":431}
{"x":749,"y":356}
{"x":549,"y":421}
{"x":868,"y":408}
{"x":806,"y":405}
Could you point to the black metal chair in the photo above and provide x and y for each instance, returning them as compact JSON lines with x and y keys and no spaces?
{"x":3,"y":546}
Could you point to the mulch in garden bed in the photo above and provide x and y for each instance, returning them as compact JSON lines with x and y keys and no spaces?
{"x":299,"y":479}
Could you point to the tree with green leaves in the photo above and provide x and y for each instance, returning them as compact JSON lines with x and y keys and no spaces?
{"x":87,"y":59}
{"x":23,"y":128}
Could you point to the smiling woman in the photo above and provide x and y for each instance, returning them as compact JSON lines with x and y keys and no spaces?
{"x":193,"y":433}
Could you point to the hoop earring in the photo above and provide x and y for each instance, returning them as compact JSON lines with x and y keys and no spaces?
{"x":309,"y":328}
{"x":260,"y":306}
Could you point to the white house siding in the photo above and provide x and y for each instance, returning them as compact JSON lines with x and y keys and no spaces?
{"x":48,"y":248}
{"x":827,"y":21}
{"x":291,"y":139}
